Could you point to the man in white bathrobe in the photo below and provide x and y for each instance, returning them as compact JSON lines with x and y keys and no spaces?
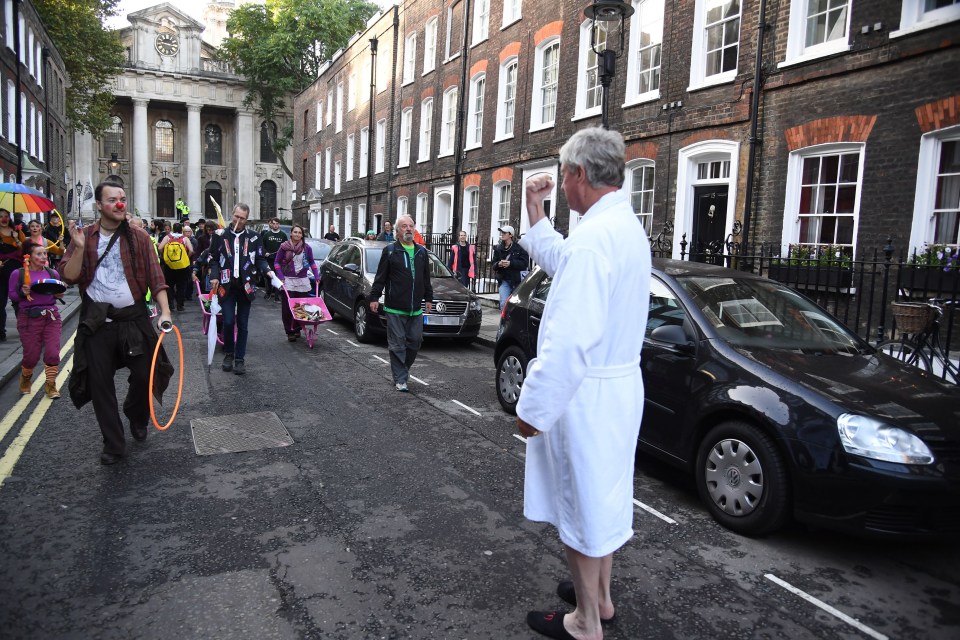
{"x":582,"y":399}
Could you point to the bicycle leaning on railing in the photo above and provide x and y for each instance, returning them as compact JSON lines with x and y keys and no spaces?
{"x":919,"y":342}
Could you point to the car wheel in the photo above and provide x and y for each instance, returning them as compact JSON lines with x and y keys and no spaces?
{"x":511,"y":370}
{"x":361,"y":326}
{"x":326,"y":301}
{"x":742,"y":479}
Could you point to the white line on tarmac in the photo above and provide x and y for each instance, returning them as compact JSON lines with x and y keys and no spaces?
{"x":823,"y":605}
{"x":423,"y":383}
{"x":14,"y":413}
{"x":333,"y":332}
{"x":13,"y":452}
{"x":650,"y":509}
{"x":353,"y":343}
{"x":520,"y":438}
{"x":381,"y":359}
{"x":465,"y":406}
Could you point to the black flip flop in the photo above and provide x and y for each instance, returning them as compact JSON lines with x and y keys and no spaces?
{"x":549,"y":623}
{"x":568,"y":594}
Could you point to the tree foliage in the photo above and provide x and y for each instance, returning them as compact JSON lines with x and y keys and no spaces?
{"x":91,"y":54}
{"x":279,"y":48}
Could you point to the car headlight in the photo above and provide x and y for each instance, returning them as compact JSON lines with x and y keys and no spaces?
{"x":475,"y":305}
{"x":871,"y":438}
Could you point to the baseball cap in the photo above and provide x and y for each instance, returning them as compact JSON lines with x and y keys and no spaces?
{"x":507,"y":229}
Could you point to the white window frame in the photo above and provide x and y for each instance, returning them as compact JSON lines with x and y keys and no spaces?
{"x":551,"y":168}
{"x":537,"y":122}
{"x":337,"y":171}
{"x":688,"y":159}
{"x":327,"y":166}
{"x":348,"y":220}
{"x":499,"y":208}
{"x":317,"y":170}
{"x":502,"y":133}
{"x":426,"y":129}
{"x":471,"y":211}
{"x":478,"y":86}
{"x":329,"y":108}
{"x":362,"y":212}
{"x":401,"y":207}
{"x":351,"y":92}
{"x":409,"y":58}
{"x":8,"y":20}
{"x":11,"y":110}
{"x":40,"y":135}
{"x":925,"y":194}
{"x":448,"y":125}
{"x":430,"y":45}
{"x":512,"y":12}
{"x":406,"y":135}
{"x":588,"y":72}
{"x":326,"y":219}
{"x":364,"y":151}
{"x":350,"y":156}
{"x":913,"y":18}
{"x":643,"y":8}
{"x":379,"y":159}
{"x":446,"y":51}
{"x":791,"y":219}
{"x":797,"y":50}
{"x":319,"y":116}
{"x":422,"y":199}
{"x":628,"y":187}
{"x":481,"y":21}
{"x":339,"y":126}
{"x":698,"y":58}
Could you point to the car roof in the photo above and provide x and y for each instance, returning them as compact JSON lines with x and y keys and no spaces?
{"x":677,"y":268}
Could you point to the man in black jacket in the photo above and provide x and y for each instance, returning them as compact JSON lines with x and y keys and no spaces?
{"x":271,"y":238}
{"x":509,"y":261}
{"x":404,"y":271}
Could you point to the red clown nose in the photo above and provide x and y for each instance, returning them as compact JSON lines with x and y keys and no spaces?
{"x":120,"y":206}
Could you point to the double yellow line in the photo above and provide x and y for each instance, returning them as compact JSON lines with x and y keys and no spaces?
{"x":13,"y":452}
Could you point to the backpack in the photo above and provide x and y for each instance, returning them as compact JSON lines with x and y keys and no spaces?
{"x":175,"y":254}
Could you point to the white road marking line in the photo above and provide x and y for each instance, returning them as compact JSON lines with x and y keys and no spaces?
{"x":465,"y":406}
{"x":333,"y":332}
{"x":823,"y":605}
{"x":381,"y":360}
{"x":653,"y":511}
{"x":353,"y":343}
{"x":426,"y":384}
{"x":520,"y":438}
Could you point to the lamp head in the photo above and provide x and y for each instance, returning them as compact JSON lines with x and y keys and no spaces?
{"x":608,"y":10}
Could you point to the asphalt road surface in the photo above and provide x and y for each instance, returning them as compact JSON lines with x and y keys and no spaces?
{"x":390,"y":516}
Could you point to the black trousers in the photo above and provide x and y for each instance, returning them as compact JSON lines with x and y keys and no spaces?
{"x":179,"y":281}
{"x":105,"y":356}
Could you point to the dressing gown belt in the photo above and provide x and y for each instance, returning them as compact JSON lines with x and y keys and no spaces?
{"x":614,"y":371}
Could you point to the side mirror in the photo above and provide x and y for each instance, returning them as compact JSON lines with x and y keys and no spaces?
{"x":674,"y":335}
{"x":352,"y":268}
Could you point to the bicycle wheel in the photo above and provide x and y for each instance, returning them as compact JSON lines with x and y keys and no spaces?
{"x":906,"y":352}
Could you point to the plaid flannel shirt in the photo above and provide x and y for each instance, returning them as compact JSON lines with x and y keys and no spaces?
{"x":140,"y":267}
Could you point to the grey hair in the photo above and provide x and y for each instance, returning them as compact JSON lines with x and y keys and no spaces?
{"x":599,"y":152}
{"x":406,"y":215}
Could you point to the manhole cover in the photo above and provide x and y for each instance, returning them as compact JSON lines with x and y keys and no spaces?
{"x":242,"y":432}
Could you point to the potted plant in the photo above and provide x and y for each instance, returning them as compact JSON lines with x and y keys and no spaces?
{"x":815,"y":266}
{"x":934,"y":269}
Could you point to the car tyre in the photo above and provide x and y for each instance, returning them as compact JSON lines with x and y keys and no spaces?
{"x":742,"y":478}
{"x":511,"y":372}
{"x":361,"y":322}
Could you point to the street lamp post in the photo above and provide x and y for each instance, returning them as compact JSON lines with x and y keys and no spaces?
{"x":78,"y":196}
{"x":604,"y":13}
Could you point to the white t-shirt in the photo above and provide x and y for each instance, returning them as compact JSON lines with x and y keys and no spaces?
{"x":110,"y":282}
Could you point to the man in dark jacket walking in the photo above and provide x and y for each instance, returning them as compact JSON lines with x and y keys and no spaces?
{"x":404,"y":272}
{"x":509,"y":261}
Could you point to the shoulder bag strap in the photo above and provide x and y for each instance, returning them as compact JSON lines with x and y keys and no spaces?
{"x":113,"y":240}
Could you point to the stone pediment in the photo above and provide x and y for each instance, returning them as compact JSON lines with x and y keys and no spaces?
{"x":164,"y":14}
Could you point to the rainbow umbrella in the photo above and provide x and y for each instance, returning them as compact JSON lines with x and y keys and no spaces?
{"x":19,"y":198}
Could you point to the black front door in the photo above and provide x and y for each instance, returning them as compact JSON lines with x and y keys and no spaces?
{"x":709,"y":221}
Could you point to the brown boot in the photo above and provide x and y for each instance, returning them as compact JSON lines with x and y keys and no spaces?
{"x":50,"y":386}
{"x":26,"y":376}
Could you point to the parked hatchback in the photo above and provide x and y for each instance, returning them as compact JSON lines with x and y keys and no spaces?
{"x":347,"y":280}
{"x":775,"y":407}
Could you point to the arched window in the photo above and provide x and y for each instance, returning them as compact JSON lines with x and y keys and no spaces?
{"x":163,"y":141}
{"x":268,"y":199}
{"x":268,"y":133}
{"x":212,"y":145}
{"x":113,"y":138}
{"x":215,"y":191}
{"x":165,"y":200}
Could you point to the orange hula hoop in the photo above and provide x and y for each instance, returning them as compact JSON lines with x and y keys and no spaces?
{"x":153,"y":364}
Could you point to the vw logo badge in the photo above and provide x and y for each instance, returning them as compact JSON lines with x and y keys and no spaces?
{"x":441,"y":307}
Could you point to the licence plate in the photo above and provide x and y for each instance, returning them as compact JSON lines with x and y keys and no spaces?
{"x":441,"y":320}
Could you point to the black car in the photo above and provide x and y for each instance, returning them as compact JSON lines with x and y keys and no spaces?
{"x":321,"y":249}
{"x":347,"y":279}
{"x":775,"y":407}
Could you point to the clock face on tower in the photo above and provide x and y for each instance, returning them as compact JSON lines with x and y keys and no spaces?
{"x":167,"y":44}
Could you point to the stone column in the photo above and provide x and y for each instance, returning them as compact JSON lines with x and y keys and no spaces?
{"x":247,"y":140}
{"x":141,"y":158}
{"x":193,"y":193}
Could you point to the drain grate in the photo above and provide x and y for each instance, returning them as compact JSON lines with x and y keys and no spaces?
{"x":241,"y":432}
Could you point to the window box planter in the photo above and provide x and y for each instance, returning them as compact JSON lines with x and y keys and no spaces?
{"x":812,"y":276}
{"x":930,"y":281}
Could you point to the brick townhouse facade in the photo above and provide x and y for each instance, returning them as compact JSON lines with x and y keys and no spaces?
{"x":857,"y":120}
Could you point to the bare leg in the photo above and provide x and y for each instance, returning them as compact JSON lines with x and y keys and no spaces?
{"x":591,"y":580}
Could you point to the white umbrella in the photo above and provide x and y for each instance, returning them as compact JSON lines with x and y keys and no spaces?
{"x":212,"y":327}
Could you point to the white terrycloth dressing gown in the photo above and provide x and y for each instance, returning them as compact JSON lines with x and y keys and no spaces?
{"x":584,"y":390}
